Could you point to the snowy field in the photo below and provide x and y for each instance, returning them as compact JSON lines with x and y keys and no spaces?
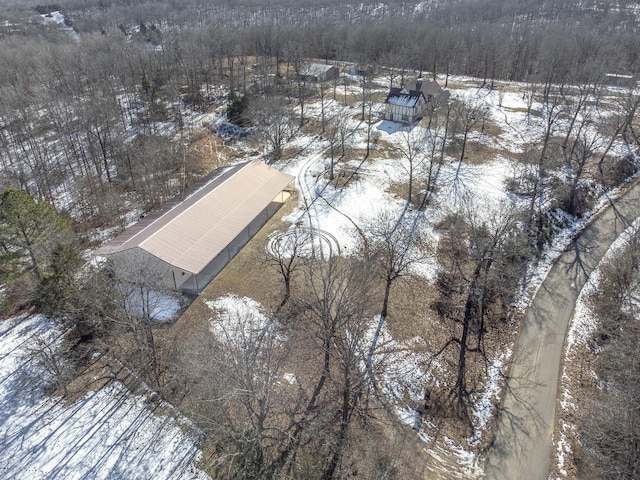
{"x":107,"y":434}
{"x":344,"y":213}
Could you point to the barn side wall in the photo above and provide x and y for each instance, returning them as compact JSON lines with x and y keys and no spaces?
{"x":136,"y":264}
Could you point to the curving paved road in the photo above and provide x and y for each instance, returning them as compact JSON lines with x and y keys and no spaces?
{"x":522,"y":448}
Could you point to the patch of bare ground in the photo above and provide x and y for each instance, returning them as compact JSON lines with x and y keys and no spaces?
{"x":489,"y":128}
{"x":210,"y":150}
{"x":348,"y":98}
{"x":383,"y":149}
{"x":344,"y":175}
{"x":410,"y":321}
{"x":401,"y":190}
{"x":354,"y":155}
{"x":94,"y":375}
{"x":454,"y":84}
{"x":478,"y":153}
{"x":410,"y":315}
{"x":289,"y":153}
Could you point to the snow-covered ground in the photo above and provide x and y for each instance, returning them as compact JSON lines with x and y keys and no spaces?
{"x":239,"y":322}
{"x":340,"y":213}
{"x":107,"y":434}
{"x":345,"y":212}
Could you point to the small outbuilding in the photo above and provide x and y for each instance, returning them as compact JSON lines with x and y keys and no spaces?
{"x":364,"y":71}
{"x":318,"y":72}
{"x":187,"y":245}
{"x":620,"y":80}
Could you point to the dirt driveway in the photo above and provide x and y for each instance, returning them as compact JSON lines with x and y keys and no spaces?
{"x":522,"y":449}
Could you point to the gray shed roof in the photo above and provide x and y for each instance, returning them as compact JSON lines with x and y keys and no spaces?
{"x":195,"y":231}
{"x":316,"y":69}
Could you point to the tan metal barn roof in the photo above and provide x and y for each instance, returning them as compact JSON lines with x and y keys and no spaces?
{"x":194,"y":232}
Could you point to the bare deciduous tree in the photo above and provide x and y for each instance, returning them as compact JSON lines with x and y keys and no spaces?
{"x":412,"y":148}
{"x":394,"y":245}
{"x":274,"y":119}
{"x":337,"y":134}
{"x":337,"y":299}
{"x":466,"y":115}
{"x":483,"y":260}
{"x":288,"y":251}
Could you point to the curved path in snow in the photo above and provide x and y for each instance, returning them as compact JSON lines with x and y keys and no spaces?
{"x":522,"y":448}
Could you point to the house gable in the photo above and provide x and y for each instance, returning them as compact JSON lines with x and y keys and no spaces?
{"x":402,"y":105}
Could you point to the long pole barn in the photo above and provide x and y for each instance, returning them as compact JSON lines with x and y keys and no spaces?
{"x":187,"y":245}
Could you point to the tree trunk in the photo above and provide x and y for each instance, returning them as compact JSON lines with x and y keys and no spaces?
{"x":344,"y":426}
{"x":383,"y":316}
{"x":294,"y":443}
{"x":470,"y":309}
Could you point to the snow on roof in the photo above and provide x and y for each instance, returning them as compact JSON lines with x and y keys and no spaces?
{"x":193,"y":233}
{"x":403,"y":97}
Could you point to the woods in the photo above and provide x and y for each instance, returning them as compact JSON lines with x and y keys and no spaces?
{"x":83,"y":96}
{"x":607,"y":427}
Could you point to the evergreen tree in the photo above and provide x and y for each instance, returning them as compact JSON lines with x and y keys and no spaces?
{"x":31,"y":230}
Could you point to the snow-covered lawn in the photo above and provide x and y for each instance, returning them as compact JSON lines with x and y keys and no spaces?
{"x":239,"y":322}
{"x":345,"y":212}
{"x":107,"y":434}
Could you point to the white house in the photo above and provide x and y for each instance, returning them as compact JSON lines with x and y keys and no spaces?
{"x":404,"y":105}
{"x":188,"y":244}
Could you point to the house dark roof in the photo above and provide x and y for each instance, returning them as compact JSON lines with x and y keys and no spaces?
{"x":403,"y":98}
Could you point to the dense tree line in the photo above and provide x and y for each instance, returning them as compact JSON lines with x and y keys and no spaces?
{"x":505,"y":39}
{"x":81,"y":97}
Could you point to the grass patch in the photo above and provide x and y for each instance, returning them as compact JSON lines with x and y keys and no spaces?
{"x":479,"y":153}
{"x":210,"y":151}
